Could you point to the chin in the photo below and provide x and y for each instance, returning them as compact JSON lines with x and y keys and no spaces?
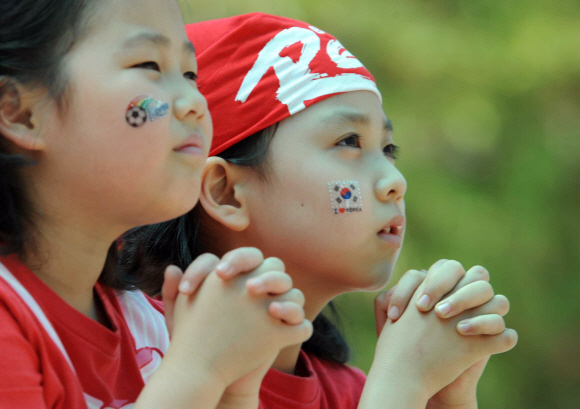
{"x":164,"y":213}
{"x":374,"y":280}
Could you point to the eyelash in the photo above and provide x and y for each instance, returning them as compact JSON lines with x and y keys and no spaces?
{"x":152,"y":65}
{"x":390,"y":150}
{"x":190,"y":75}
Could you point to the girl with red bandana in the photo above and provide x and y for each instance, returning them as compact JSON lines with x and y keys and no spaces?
{"x":303,"y":167}
{"x":102,"y":129}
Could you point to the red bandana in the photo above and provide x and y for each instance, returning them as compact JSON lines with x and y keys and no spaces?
{"x":257,"y":69}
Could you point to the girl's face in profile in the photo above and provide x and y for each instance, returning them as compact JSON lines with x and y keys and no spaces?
{"x":133,"y":139}
{"x":296,"y":214}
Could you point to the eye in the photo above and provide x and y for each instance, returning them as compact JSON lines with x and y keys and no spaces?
{"x":391,"y":151}
{"x":149,"y":65}
{"x":352,"y":140}
{"x":190,"y":75}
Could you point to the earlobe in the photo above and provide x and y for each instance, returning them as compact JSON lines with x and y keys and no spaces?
{"x":222,"y":195}
{"x":16,"y":118}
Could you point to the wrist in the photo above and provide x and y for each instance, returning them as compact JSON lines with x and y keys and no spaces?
{"x":172,"y":386}
{"x":388,"y":383}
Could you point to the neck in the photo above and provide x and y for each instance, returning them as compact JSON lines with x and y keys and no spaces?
{"x":69,"y":259}
{"x":317,"y":297}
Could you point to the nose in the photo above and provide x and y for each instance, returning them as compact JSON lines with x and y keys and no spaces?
{"x":391,"y":185}
{"x":190,"y":103}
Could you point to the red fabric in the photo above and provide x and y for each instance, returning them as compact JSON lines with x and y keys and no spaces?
{"x":33,"y":372}
{"x":327,"y":385}
{"x":257,"y":69}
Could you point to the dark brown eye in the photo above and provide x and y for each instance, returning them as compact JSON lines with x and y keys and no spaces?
{"x":351,"y":140}
{"x":391,"y":151}
{"x":149,"y":65}
{"x":190,"y":75}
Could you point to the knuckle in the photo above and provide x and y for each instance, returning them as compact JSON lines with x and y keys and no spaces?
{"x":481,"y":273}
{"x":300,"y":296}
{"x":275,"y":263}
{"x":436,"y":287}
{"x":208,"y":257}
{"x":296,"y":295}
{"x":456,"y":266}
{"x":416,"y":275}
{"x":487,"y":288}
{"x":256,"y":251}
{"x":398,"y":299}
{"x":501,"y":325}
{"x":383,"y":296}
{"x":438,"y":264}
{"x":510,"y":338}
{"x":288,"y":279}
{"x":503,"y":303}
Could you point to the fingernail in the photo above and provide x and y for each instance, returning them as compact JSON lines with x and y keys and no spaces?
{"x":464,"y":327}
{"x":224,"y":267}
{"x":444,"y":308}
{"x":393,"y":313}
{"x":424,"y":301}
{"x":184,"y":286}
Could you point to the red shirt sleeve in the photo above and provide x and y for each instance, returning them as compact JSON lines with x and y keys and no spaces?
{"x":20,"y":377}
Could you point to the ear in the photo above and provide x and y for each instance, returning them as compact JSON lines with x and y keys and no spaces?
{"x":222,"y":194}
{"x":18,"y":121}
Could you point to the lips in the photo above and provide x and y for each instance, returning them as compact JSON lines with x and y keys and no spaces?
{"x":395,"y":226}
{"x":192,"y":145}
{"x":392,"y":232}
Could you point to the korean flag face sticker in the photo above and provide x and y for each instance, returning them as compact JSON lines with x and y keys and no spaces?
{"x":345,"y":196}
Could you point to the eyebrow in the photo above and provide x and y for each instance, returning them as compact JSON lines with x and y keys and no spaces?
{"x":354,"y":117}
{"x":155,"y":39}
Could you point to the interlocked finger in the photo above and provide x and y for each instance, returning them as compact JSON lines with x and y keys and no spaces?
{"x":241,"y":260}
{"x":472,"y":295}
{"x":271,"y":282}
{"x":491,"y":324}
{"x":439,"y":281}
{"x":499,"y":305}
{"x":287,"y":311}
{"x":294,"y":295}
{"x":475,"y":273}
{"x":196,"y":273}
{"x":403,"y":293}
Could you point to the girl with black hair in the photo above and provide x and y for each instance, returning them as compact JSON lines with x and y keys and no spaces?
{"x":102,"y":129}
{"x":303,"y":167}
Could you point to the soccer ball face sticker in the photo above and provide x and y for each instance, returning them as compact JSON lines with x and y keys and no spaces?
{"x":345,"y":196}
{"x":143,"y":108}
{"x":136,"y":116}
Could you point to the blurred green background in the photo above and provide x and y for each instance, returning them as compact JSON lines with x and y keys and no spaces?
{"x":485,"y":101}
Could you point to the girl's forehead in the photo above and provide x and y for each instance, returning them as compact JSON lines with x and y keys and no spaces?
{"x":358,"y":107}
{"x":125,"y":18}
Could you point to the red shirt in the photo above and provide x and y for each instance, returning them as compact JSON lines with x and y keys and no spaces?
{"x":328,"y":385}
{"x":108,"y":362}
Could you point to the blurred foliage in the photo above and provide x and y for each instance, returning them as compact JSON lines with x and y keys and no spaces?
{"x":485,"y":101}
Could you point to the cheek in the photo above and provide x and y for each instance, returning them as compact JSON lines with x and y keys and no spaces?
{"x":121,"y":129}
{"x":302,"y":224}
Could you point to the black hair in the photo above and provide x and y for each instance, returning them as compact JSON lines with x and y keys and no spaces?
{"x":148,"y":250}
{"x":35,"y":36}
